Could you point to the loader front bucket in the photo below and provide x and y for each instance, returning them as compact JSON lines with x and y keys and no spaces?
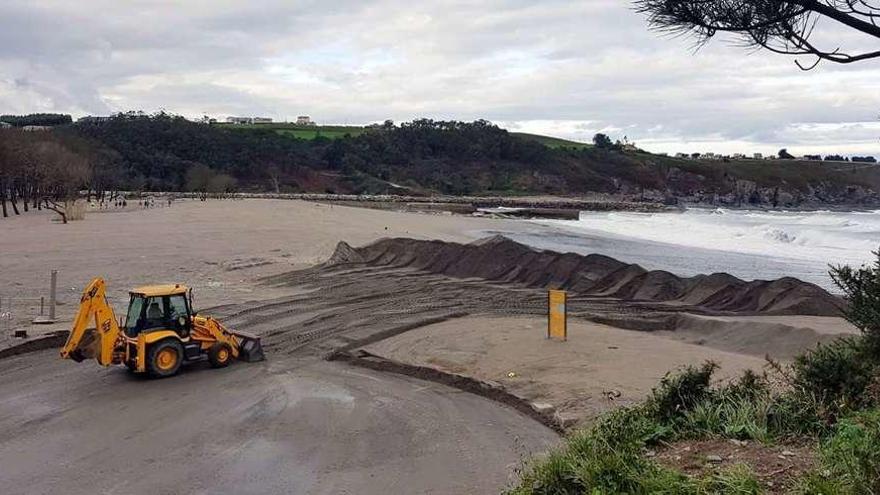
{"x":250,"y":349}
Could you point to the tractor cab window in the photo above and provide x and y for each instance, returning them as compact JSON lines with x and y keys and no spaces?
{"x":178,"y":313}
{"x":133,"y":319}
{"x":159,"y":312}
{"x":177,"y":305}
{"x":156,"y":313}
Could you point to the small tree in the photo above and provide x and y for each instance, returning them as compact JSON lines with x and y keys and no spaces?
{"x":785,"y":155}
{"x":602,"y":141}
{"x":63,"y":174}
{"x":861,"y":286}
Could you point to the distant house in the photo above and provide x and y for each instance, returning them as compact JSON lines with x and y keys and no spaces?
{"x":304,"y":120}
{"x":5,"y":125}
{"x":758,"y":156}
{"x":739,"y":156}
{"x":36,"y":128}
{"x":682,"y":155}
{"x":248,"y":120}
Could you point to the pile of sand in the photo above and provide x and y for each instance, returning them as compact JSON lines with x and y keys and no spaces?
{"x":502,"y":260}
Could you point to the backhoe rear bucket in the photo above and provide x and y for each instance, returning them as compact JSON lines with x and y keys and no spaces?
{"x":251,"y":349}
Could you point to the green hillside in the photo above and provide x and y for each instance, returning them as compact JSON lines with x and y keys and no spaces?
{"x":552,"y":142}
{"x":290,"y":129}
{"x":165,"y":152}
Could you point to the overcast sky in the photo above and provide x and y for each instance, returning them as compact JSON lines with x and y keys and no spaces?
{"x":563,"y":68}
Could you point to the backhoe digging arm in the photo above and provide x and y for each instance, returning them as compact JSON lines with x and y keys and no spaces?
{"x":99,"y":342}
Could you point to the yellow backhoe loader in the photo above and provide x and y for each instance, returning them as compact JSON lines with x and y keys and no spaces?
{"x":159,"y":334}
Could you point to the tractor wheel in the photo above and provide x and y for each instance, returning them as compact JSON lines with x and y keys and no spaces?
{"x":164,"y":358}
{"x":220,"y":355}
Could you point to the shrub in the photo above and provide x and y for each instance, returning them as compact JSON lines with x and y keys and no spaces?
{"x":837,"y":374}
{"x":681,"y":392}
{"x":795,"y":413}
{"x":861,"y":286}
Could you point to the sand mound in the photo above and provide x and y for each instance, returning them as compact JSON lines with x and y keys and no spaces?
{"x":502,"y":260}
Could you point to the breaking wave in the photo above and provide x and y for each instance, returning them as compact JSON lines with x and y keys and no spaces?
{"x":818,"y":236}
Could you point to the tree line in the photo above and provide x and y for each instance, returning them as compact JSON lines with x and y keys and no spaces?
{"x":40,"y":170}
{"x":40,"y":119}
{"x":163,"y":152}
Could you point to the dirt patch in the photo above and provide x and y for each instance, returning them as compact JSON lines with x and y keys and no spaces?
{"x":775,"y":466}
{"x":597,"y":369}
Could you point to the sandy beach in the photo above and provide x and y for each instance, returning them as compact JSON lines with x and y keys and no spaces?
{"x":219,"y":248}
{"x":472,"y":305}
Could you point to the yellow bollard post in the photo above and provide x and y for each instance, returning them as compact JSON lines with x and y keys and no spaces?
{"x":557,"y":316}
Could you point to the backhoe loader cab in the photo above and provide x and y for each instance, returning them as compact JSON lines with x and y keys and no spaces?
{"x":158,"y":306}
{"x":160,"y":332}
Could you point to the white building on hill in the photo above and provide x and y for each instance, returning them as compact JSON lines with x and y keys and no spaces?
{"x":304,"y":120}
{"x":248,"y":120}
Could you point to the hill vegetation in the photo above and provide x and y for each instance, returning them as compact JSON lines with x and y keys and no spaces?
{"x":165,"y":152}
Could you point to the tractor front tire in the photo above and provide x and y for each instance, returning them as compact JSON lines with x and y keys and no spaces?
{"x":220,"y":355}
{"x":164,"y":358}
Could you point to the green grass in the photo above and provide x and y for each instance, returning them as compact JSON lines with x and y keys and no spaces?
{"x":850,"y":459}
{"x":299,"y":131}
{"x":609,"y":457}
{"x":326,"y":132}
{"x":338,"y":131}
{"x":552,"y":142}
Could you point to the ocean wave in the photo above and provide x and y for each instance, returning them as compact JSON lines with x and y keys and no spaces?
{"x":818,"y":236}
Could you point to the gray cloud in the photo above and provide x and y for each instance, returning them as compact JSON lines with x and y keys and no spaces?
{"x":564,"y":68}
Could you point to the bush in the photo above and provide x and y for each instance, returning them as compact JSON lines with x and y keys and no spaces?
{"x":861,"y":286}
{"x":837,"y":374}
{"x":681,"y":392}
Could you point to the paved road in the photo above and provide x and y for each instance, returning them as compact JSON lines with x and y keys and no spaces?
{"x":288,"y":425}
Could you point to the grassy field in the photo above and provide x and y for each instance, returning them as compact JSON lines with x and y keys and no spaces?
{"x":330,"y":132}
{"x":300,"y":131}
{"x":552,"y":142}
{"x":338,"y":131}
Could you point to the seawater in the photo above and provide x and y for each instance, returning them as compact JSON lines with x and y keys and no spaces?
{"x":750,"y":244}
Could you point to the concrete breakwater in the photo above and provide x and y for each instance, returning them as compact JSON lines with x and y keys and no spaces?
{"x":526,"y":206}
